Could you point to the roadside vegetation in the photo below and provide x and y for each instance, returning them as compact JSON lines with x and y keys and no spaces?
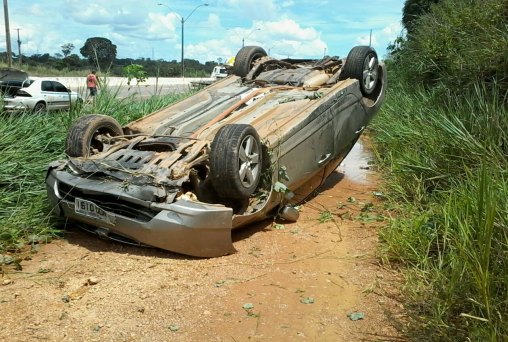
{"x":441,"y":139}
{"x":28,"y":143}
{"x":100,"y":54}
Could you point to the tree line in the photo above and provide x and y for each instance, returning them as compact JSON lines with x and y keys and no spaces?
{"x":101,"y":54}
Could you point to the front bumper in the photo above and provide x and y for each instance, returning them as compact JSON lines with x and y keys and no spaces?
{"x":186,"y":227}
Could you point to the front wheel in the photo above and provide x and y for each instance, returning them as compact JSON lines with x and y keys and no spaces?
{"x":89,"y":134}
{"x":236,"y":161}
{"x":362,"y":64}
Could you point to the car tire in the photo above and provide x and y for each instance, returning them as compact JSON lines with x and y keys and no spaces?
{"x":39,"y":107}
{"x":81,"y":136}
{"x":362,"y":64}
{"x":245,"y":59}
{"x":236,"y":161}
{"x":77,"y":104}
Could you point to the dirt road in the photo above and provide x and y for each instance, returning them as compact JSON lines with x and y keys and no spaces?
{"x":287,"y":282}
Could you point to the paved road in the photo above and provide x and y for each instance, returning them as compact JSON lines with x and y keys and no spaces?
{"x":125,"y":91}
{"x":118,"y":85}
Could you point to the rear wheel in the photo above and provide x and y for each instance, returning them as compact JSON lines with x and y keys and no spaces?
{"x":88,"y":135}
{"x":362,"y":64}
{"x":245,"y":59}
{"x":236,"y":161}
{"x":40,"y":107}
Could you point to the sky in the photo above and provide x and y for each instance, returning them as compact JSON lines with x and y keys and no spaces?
{"x":142,"y":28}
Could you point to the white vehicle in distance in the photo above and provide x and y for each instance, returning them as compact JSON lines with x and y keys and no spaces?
{"x":41,"y":94}
{"x":219,"y":71}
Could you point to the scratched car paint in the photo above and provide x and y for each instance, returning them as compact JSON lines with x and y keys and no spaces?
{"x":245,"y":148}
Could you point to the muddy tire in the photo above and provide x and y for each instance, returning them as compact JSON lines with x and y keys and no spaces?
{"x":236,"y":161}
{"x":362,"y":64}
{"x":81,"y":137}
{"x":245,"y":59}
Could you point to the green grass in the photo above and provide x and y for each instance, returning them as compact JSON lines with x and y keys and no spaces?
{"x":28,"y":143}
{"x":445,"y":164}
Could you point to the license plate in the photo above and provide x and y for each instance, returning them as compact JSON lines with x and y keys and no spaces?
{"x":92,"y":210}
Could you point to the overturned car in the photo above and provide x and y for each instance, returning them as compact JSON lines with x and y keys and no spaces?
{"x":243,"y":149}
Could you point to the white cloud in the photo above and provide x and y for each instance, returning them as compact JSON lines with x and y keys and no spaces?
{"x":251,"y":9}
{"x":392,"y":30}
{"x":162,"y":26}
{"x":381,"y":38}
{"x":36,"y":10}
{"x":366,"y":40}
{"x":302,"y":28}
{"x":283,"y":38}
{"x":288,"y":29}
{"x":214,"y":21}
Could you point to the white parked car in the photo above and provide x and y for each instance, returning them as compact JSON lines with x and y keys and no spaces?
{"x":41,"y":94}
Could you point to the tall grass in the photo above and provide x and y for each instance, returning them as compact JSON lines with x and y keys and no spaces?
{"x":28,"y":143}
{"x":446,"y":166}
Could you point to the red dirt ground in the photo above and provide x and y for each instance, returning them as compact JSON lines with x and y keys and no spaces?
{"x":302,"y":280}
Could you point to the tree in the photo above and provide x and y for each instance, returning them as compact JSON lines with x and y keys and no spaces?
{"x":456,"y":46}
{"x":413,"y":10}
{"x":101,"y":52}
{"x":67,"y":49}
{"x":134,"y":71}
{"x":72,"y":61}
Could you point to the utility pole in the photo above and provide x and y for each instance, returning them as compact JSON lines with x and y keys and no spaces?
{"x":183,"y":62}
{"x":19,"y":49}
{"x":182,"y":21}
{"x":251,"y":32}
{"x":370,"y":38}
{"x":7,"y":35}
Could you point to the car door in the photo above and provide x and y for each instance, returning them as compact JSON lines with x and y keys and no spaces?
{"x":48,"y":94}
{"x":62,"y":95}
{"x":309,"y":149}
{"x":349,"y":120}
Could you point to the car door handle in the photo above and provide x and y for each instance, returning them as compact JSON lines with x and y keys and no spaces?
{"x":324,"y":158}
{"x":360,"y":130}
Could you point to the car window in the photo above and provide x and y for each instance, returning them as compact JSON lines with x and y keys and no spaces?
{"x":59,"y":87}
{"x":47,"y":86}
{"x":27,"y":83}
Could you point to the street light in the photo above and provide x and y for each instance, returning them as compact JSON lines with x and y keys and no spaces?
{"x":251,"y":32}
{"x":182,"y":21}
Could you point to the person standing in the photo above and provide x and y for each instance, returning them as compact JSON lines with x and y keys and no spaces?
{"x":91,"y":83}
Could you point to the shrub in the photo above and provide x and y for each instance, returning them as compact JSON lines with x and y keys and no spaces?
{"x":457,"y":44}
